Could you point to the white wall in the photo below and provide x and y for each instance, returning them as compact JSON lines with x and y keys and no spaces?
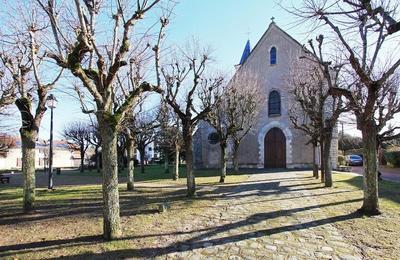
{"x":61,"y":158}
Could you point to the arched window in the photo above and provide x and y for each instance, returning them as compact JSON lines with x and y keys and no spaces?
{"x":274,"y":103}
{"x":272,"y":56}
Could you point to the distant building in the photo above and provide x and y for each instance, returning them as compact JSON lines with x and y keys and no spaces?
{"x":65,"y":155}
{"x":151,"y":153}
{"x":273,"y":141}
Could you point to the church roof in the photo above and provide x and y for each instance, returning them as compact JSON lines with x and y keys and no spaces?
{"x":246,"y":53}
{"x":272,"y":24}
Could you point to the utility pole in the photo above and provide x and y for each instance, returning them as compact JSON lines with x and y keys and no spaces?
{"x":51,"y":102}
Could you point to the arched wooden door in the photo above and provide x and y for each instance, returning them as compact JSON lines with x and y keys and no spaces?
{"x":275,"y":149}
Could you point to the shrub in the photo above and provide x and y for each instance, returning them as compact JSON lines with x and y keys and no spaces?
{"x":393,"y":157}
{"x":341,"y":160}
{"x":359,"y":152}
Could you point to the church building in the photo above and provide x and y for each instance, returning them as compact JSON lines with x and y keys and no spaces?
{"x":273,"y":142}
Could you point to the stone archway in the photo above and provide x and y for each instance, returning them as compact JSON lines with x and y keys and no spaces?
{"x":275,"y":149}
{"x":284,"y":127}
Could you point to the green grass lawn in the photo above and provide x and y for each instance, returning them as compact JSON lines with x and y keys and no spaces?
{"x":156,"y":173}
{"x":11,"y":195}
{"x":389,"y":192}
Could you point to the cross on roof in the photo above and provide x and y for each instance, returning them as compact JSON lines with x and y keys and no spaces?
{"x":248,"y":33}
{"x":272,"y":19}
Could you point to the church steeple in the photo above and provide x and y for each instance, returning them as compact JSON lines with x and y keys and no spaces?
{"x":246,"y":52}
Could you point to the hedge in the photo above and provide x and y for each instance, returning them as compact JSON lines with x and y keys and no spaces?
{"x":392,"y":157}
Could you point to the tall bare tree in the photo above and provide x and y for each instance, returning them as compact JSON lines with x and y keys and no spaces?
{"x":7,"y":86}
{"x":307,"y":113}
{"x":121,"y":150}
{"x":235,"y":114}
{"x":175,"y":136}
{"x":145,"y":126}
{"x":187,"y":78}
{"x":362,"y":29}
{"x":243,"y":101}
{"x":170,"y":136}
{"x":130,"y":154}
{"x":22,"y":59}
{"x":102,"y":64}
{"x":312,"y":81}
{"x":78,"y":133}
{"x":129,"y":131}
{"x":95,"y":140}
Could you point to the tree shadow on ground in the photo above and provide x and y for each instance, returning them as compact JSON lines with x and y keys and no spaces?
{"x":198,"y":241}
{"x":142,"y":201}
{"x":131,"y":203}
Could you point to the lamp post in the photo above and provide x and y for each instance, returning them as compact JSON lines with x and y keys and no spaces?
{"x":51,"y":103}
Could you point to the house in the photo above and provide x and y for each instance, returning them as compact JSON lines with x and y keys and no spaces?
{"x":273,"y":142}
{"x":151,"y":153}
{"x":65,"y":155}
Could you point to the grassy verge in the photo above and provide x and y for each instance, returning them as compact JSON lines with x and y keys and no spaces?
{"x":376,"y":237}
{"x":389,"y":192}
{"x":154,"y":173}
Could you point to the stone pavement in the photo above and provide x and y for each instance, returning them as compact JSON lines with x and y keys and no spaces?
{"x":272,"y":216}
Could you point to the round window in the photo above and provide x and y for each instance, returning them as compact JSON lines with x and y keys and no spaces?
{"x":213,"y":138}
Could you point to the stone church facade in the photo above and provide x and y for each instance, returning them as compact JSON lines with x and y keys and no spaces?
{"x":273,"y":142}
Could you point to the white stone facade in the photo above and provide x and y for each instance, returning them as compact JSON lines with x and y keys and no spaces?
{"x":269,"y":77}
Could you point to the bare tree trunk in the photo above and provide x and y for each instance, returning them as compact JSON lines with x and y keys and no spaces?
{"x":236,"y":156}
{"x":142,"y":152}
{"x":190,"y":179}
{"x":315,"y":164}
{"x":97,"y":159}
{"x":28,"y":139}
{"x":371,"y":200}
{"x":223,"y":162}
{"x":111,"y":212}
{"x":120,"y":156}
{"x":130,"y":145}
{"x":166,"y":162}
{"x":176,"y":164}
{"x":322,"y":160}
{"x":82,"y":151}
{"x":28,"y":132}
{"x":327,"y":157}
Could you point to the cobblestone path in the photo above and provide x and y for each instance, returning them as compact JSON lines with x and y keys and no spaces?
{"x":271,"y":216}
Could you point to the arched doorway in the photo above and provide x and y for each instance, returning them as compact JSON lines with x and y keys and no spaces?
{"x":275,"y":149}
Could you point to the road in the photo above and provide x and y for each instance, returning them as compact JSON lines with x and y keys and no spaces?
{"x":390,"y":174}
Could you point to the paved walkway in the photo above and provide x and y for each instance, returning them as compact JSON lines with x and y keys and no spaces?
{"x":273,"y":216}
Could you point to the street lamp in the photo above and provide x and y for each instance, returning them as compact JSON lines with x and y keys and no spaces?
{"x":51,"y":103}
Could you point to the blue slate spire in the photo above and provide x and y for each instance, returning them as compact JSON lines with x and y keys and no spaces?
{"x":246,"y":52}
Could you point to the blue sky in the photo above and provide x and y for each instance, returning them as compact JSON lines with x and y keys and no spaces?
{"x":225,"y":25}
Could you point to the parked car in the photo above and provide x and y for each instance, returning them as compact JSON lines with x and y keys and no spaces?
{"x":354,"y":160}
